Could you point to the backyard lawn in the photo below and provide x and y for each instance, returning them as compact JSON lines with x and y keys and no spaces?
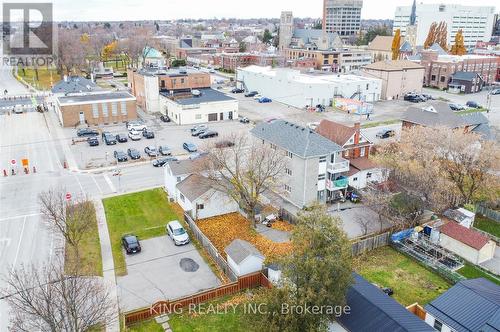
{"x":410,"y":281}
{"x":143,"y":214}
{"x":470,"y":272}
{"x":46,"y":76}
{"x":147,"y":326}
{"x":487,"y":225}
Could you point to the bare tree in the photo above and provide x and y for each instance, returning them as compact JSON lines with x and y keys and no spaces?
{"x":138,"y":38}
{"x":245,"y":170}
{"x":46,"y":299}
{"x":363,"y":223}
{"x":73,"y":219}
{"x":71,"y":51}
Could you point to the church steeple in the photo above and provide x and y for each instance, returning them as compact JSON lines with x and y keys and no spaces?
{"x":413,"y":15}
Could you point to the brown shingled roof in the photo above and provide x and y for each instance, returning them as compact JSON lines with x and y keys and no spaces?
{"x":335,"y":132}
{"x":362,"y":163}
{"x":465,"y":235}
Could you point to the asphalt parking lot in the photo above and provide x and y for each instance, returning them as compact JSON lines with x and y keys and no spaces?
{"x":166,"y":134}
{"x":163,"y":271}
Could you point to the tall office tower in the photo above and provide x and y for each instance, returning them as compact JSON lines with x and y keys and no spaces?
{"x":286,"y":30}
{"x":476,"y":22}
{"x":342,"y":16}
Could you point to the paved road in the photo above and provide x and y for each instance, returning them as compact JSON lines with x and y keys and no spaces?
{"x":7,"y":81}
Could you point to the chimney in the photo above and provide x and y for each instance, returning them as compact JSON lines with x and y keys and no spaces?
{"x":65,"y":78}
{"x":357,"y":126}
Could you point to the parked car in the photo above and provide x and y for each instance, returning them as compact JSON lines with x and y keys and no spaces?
{"x":120,"y":156}
{"x":189,"y":147}
{"x":133,"y":153}
{"x":224,"y":144}
{"x":199,"y":131}
{"x":237,"y":90}
{"x":414,"y":98}
{"x":385,"y":133}
{"x":131,"y":244}
{"x":177,"y":233}
{"x":151,"y":151}
{"x":162,"y":161}
{"x":244,"y":119}
{"x":93,"y":141}
{"x":199,"y":127}
{"x":197,"y":155}
{"x":495,"y":92}
{"x":109,"y":139}
{"x":136,"y":125}
{"x":251,"y":94}
{"x":164,"y":150}
{"x":134,"y":135}
{"x":208,"y":134}
{"x":85,"y":132}
{"x":472,"y":104}
{"x":122,"y":138}
{"x":148,"y":134}
{"x":18,"y":109}
{"x":427,"y":96}
{"x":264,"y":100}
{"x":454,"y":107}
{"x":165,"y":118}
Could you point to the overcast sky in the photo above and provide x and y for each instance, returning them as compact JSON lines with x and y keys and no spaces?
{"x":115,"y":10}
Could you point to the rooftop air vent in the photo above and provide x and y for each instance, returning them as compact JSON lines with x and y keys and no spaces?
{"x":430,"y":109}
{"x":196,"y":93}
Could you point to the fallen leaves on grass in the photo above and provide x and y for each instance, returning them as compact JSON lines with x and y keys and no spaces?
{"x":282,"y":225}
{"x":222,"y":230}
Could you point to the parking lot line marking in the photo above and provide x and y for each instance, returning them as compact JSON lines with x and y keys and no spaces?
{"x":97,"y":185}
{"x":19,"y":245}
{"x":110,"y":184}
{"x":20,"y":216}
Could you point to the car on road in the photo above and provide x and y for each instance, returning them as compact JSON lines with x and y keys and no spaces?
{"x":165,"y":118}
{"x":495,"y":92}
{"x":120,"y":156}
{"x":148,"y":134}
{"x":134,"y":135}
{"x":385,"y":133}
{"x":237,"y":90}
{"x":151,"y":151}
{"x":131,"y":244}
{"x":93,"y":141}
{"x":122,"y":138}
{"x":224,"y":144}
{"x":251,"y":94}
{"x":264,"y":100}
{"x":164,"y":150}
{"x":109,"y":139}
{"x":244,"y":119}
{"x":133,"y":153}
{"x":189,"y":147}
{"x":177,"y":233}
{"x":472,"y":104}
{"x":85,"y":132}
{"x":162,"y":161}
{"x":208,"y":134}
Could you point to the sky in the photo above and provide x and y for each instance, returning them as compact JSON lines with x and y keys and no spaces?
{"x":129,"y":10}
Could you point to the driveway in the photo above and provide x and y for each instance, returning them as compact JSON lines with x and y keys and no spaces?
{"x":493,"y":264}
{"x":163,"y":271}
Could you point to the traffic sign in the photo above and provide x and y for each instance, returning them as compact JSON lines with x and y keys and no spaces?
{"x":25,"y":162}
{"x":13,"y":162}
{"x":68,"y":196}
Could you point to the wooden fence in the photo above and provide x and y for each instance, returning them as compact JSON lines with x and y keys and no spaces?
{"x":210,"y":248}
{"x":489,"y":213}
{"x":256,"y":279}
{"x":363,"y":245}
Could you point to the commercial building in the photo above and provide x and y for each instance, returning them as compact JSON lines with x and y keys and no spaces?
{"x":198,"y":106}
{"x":398,"y":77}
{"x":342,"y":16}
{"x":475,"y":21}
{"x":439,"y":69}
{"x":334,"y":60}
{"x":232,"y":61}
{"x":291,"y":87}
{"x":314,"y":164}
{"x":95,"y":109}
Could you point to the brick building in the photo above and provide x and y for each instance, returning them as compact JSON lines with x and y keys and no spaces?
{"x":341,"y":61}
{"x":439,"y":69}
{"x":232,"y":61}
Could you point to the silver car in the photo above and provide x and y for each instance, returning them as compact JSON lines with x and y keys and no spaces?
{"x":177,"y":233}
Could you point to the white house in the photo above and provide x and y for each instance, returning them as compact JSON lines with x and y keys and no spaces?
{"x":243,"y":258}
{"x":198,"y":106}
{"x":462,"y":216}
{"x":466,"y":243}
{"x":291,"y":87}
{"x":196,"y":195}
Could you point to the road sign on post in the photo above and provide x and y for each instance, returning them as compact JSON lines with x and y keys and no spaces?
{"x":13,"y":162}
{"x":25,"y":162}
{"x":68,"y":196}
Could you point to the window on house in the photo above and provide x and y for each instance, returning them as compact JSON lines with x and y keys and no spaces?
{"x":182,"y":197}
{"x":322,"y":159}
{"x":288,"y":171}
{"x":288,"y":188}
{"x":433,"y":77}
{"x":362,"y":152}
{"x":95,"y":111}
{"x":178,"y":179}
{"x":197,"y":116}
{"x":321,"y":177}
{"x":347,"y":153}
{"x":443,"y":78}
{"x":200,"y":206}
{"x":368,"y":175}
{"x":289,"y":154}
{"x":273,"y":146}
{"x":105,"y":110}
{"x":114,"y":109}
{"x":355,"y":179}
{"x":123,"y":107}
{"x":438,"y":325}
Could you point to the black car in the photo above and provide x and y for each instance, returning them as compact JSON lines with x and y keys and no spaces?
{"x":151,"y":151}
{"x":162,"y":161}
{"x":109,"y":139}
{"x":86,"y":132}
{"x":244,"y":119}
{"x":93,"y":141}
{"x":165,"y":118}
{"x":131,"y":244}
{"x":386,"y":133}
{"x":121,"y":138}
{"x":164,"y":150}
{"x":472,"y":104}
{"x":120,"y":156}
{"x":133,"y":153}
{"x":414,"y":98}
{"x":251,"y":94}
{"x":208,"y":134}
{"x":236,"y":90}
{"x":148,"y":134}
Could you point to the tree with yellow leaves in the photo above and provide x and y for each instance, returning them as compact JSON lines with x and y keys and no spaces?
{"x":431,"y":36}
{"x":459,"y":48}
{"x":109,"y":50}
{"x":437,"y":34}
{"x":396,"y":44}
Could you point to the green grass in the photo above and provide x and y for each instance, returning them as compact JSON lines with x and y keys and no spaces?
{"x":470,"y":272}
{"x":487,"y":225}
{"x":147,"y":326}
{"x":410,"y":281}
{"x":143,"y":214}
{"x":379,"y":123}
{"x":44,"y":77}
{"x":471,"y":110}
